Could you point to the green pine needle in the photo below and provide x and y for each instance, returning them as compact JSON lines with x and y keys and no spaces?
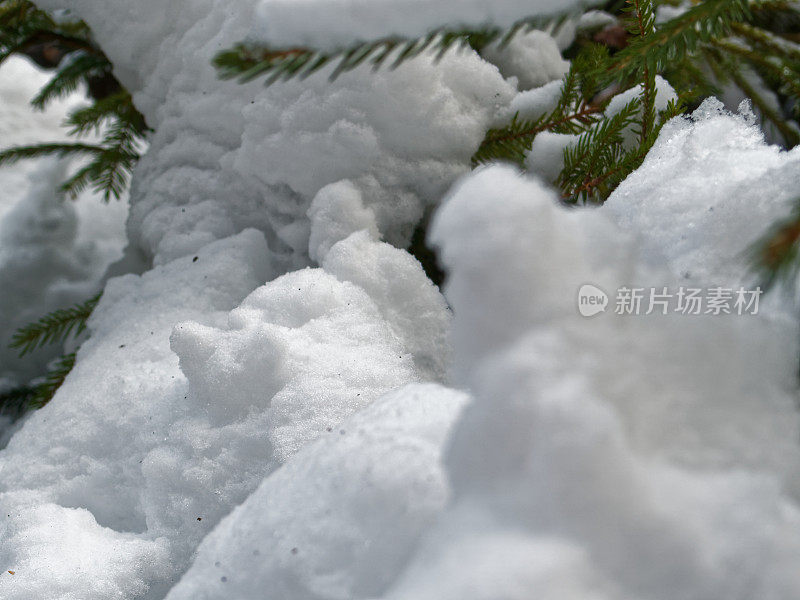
{"x":775,"y":257}
{"x":250,"y":61}
{"x":16,"y":402}
{"x":69,"y":77}
{"x":77,"y":62}
{"x":45,"y":391}
{"x":54,"y":328}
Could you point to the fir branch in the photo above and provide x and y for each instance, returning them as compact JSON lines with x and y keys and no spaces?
{"x":780,"y":76}
{"x":109,"y":170}
{"x":249,"y":61}
{"x":45,"y":391}
{"x":689,"y":80}
{"x":571,"y":115}
{"x":767,"y":41}
{"x":642,"y":24}
{"x":15,"y":402}
{"x":597,"y":151}
{"x":80,"y":180}
{"x":673,"y":40}
{"x":61,"y":150}
{"x":68,"y":78}
{"x":92,"y":118}
{"x":114,"y":166}
{"x":601,"y":185}
{"x":514,"y":141}
{"x":69,"y":50}
{"x":54,"y":328}
{"x":775,"y":257}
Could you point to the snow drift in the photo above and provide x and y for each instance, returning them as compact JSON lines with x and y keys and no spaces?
{"x":282,"y":404}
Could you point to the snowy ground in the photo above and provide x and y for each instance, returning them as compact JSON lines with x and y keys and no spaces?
{"x":282,"y":405}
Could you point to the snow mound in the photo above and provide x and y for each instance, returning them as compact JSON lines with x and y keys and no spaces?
{"x":708,"y":190}
{"x":377,"y":485}
{"x":225,"y":157}
{"x":93,"y":459}
{"x":239,"y":425}
{"x":308,"y":349}
{"x":598,"y":458}
{"x":150,"y":459}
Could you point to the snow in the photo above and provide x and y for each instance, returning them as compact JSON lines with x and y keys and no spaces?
{"x":278,"y":402}
{"x":598,"y":19}
{"x":337,"y":211}
{"x":708,"y":214}
{"x":598,"y":460}
{"x":202,"y":415}
{"x":215,"y":141}
{"x":378,"y":484}
{"x":532,"y":104}
{"x":533,"y":58}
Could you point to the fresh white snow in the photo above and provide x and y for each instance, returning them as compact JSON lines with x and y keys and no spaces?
{"x":281,"y":404}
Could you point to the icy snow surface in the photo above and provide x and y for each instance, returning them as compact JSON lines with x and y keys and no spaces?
{"x":703,"y":174}
{"x":239,"y":426}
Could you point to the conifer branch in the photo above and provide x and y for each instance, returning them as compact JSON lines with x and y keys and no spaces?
{"x":68,"y":78}
{"x":596,"y":152}
{"x":45,"y":391}
{"x":643,"y":20}
{"x":515,"y":140}
{"x":15,"y":402}
{"x":54,"y":328}
{"x":776,"y":256}
{"x":676,"y":38}
{"x":249,"y":61}
{"x":69,"y":50}
{"x":92,"y":118}
{"x":573,"y":114}
{"x":61,"y":150}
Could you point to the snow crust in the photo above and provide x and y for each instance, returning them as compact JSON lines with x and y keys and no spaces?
{"x":240,"y":425}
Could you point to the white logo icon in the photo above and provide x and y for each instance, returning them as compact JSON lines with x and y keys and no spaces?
{"x":591,"y":300}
